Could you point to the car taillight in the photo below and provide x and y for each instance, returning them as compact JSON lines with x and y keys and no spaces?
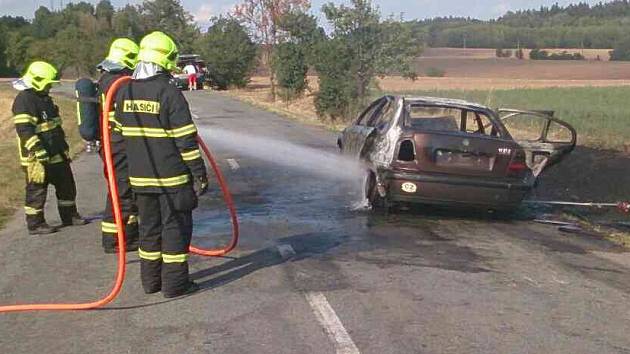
{"x":517,"y":166}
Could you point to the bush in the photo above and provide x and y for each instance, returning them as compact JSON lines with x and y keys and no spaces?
{"x":537,"y":54}
{"x":621,"y":52}
{"x":503,"y":53}
{"x":289,"y":64}
{"x":435,"y":72}
{"x":229,"y":53}
{"x":337,"y":96}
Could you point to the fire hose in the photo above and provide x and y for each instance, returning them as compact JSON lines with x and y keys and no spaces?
{"x":621,"y":206}
{"x":120,"y":227}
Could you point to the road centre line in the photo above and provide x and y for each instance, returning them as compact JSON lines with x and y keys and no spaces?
{"x":331,"y":323}
{"x":233,"y":164}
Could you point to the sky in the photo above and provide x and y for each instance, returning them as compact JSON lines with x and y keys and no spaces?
{"x":412,"y":9}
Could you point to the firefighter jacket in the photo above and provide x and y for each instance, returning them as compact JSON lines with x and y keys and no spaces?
{"x":160,"y":136}
{"x":38,"y":127}
{"x":104,"y":83}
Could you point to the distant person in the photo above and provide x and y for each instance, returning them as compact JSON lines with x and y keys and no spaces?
{"x":121,"y":61}
{"x":191,"y":71}
{"x":43,"y":149}
{"x":166,"y":169}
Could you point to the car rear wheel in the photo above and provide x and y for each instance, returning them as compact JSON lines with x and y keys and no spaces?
{"x":371,"y":192}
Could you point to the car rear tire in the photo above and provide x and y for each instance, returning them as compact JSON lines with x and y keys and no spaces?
{"x":371,"y":193}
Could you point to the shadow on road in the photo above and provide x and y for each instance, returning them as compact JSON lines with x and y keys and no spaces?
{"x":304,"y":246}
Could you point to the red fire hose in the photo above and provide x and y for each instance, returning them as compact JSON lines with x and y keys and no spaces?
{"x":113,"y":190}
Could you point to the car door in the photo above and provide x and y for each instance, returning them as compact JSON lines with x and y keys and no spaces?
{"x":545,"y":139}
{"x":353,"y":138}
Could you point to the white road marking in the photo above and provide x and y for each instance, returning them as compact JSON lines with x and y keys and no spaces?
{"x":286,"y":251}
{"x":333,"y":326}
{"x":233,"y":164}
{"x":195,"y":116}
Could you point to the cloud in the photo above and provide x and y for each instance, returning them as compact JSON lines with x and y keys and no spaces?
{"x":203,"y":13}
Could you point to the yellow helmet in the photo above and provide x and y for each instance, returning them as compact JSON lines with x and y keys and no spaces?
{"x":160,"y":49}
{"x":39,"y":75}
{"x":125,"y":52}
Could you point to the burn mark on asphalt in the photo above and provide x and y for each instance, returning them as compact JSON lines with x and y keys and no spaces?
{"x":391,"y":246}
{"x":574,"y":254}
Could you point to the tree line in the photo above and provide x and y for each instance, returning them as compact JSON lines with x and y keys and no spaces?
{"x":281,"y":35}
{"x":600,"y":26}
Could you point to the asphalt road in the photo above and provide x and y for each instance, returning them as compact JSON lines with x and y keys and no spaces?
{"x":312,"y":275}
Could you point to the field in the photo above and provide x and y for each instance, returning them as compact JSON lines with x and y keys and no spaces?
{"x":489,"y":53}
{"x":11,"y":176}
{"x":482,"y":63}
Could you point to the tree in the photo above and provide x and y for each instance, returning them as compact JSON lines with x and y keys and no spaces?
{"x":105,"y":11}
{"x":337,"y":93}
{"x":289,"y":64}
{"x":263,"y":18}
{"x":359,"y":28}
{"x":170,"y":17}
{"x":398,"y":50}
{"x":361,"y":48}
{"x":229,"y":53}
{"x":128,"y":22}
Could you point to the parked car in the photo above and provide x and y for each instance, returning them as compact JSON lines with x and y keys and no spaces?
{"x":181,"y":78}
{"x":452,"y":152}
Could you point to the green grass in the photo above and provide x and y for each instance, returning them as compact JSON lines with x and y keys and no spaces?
{"x":11,"y":175}
{"x":601,"y":116}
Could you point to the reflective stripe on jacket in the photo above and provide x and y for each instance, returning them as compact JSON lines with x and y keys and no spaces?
{"x":160,"y":136}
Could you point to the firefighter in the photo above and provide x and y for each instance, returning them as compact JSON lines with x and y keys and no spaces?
{"x":43,"y":149}
{"x":166,"y":169}
{"x":121,"y":61}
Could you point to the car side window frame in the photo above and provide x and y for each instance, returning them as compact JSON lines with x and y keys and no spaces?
{"x":381,"y":122}
{"x":368,"y":114}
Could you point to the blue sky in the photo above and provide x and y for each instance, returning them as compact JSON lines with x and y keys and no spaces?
{"x":204,"y":9}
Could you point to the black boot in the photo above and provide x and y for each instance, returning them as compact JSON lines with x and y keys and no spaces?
{"x":42,"y":229}
{"x":192,"y":288}
{"x":75,"y":220}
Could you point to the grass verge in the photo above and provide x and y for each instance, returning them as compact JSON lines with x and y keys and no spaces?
{"x":11,"y":175}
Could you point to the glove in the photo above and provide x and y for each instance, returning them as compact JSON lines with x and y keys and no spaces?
{"x":201,"y":185}
{"x":35,"y":172}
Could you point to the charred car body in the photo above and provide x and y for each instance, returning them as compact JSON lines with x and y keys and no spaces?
{"x":452,"y":152}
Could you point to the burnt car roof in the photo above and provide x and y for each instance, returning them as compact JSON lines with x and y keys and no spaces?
{"x":440,"y":101}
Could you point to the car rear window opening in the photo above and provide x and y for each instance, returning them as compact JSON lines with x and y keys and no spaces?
{"x":407,"y":151}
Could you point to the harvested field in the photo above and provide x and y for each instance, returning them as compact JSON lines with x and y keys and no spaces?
{"x":490,"y":53}
{"x":527,"y":69}
{"x":394,"y":84}
{"x":399,"y":84}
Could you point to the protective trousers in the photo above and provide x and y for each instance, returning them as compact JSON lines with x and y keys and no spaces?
{"x":165,"y":234}
{"x":60,"y":176}
{"x":127,"y":205}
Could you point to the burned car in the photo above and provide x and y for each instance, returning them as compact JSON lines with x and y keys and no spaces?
{"x":452,"y":152}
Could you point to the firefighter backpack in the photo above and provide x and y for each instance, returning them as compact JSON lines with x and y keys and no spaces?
{"x":88,"y":109}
